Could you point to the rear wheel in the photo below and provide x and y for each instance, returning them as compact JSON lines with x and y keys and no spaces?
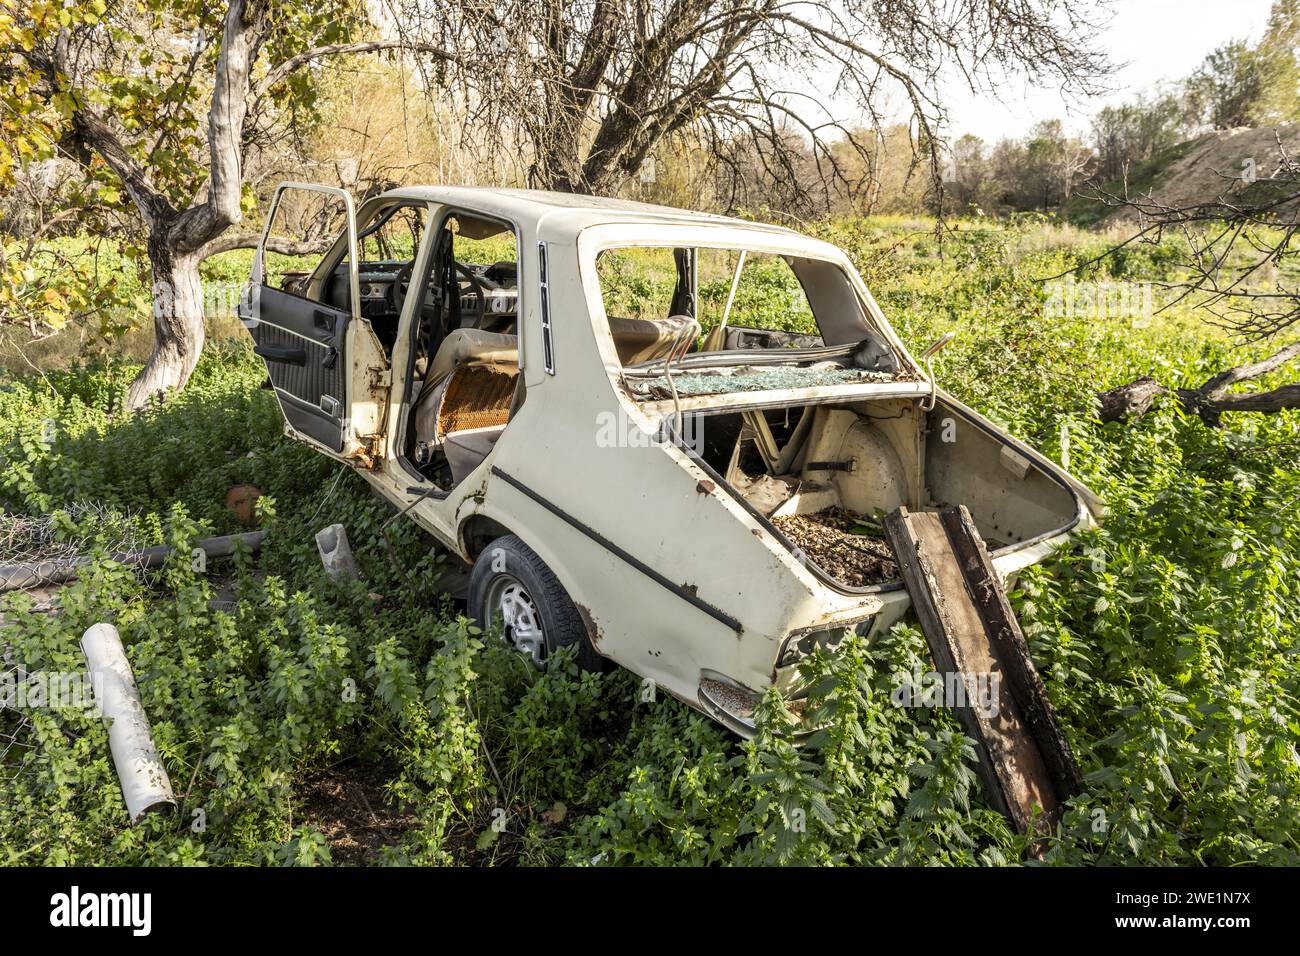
{"x":512,"y":587}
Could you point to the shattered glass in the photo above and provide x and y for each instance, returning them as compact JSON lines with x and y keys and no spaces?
{"x":751,"y":378}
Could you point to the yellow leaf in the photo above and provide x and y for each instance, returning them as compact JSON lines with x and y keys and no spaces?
{"x":55,"y":300}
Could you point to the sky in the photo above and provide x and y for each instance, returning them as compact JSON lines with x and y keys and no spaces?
{"x":1149,"y":40}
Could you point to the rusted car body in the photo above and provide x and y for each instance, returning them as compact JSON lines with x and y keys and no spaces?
{"x":625,"y":484}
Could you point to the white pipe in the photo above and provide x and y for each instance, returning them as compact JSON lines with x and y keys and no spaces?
{"x":145,"y":784}
{"x":336,"y":553}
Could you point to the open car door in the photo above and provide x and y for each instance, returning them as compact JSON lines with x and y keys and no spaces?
{"x":301,"y":333}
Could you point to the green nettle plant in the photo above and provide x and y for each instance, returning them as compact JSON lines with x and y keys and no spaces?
{"x":1166,"y":639}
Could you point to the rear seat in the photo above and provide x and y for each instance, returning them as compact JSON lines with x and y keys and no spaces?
{"x":637,"y":340}
{"x":640,"y":340}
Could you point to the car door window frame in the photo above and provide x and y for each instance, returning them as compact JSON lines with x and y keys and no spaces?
{"x":332,"y":255}
{"x":444,"y":213}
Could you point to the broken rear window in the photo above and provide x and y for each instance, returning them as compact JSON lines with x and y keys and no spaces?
{"x":728,"y":320}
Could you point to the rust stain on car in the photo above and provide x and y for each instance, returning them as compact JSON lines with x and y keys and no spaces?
{"x":593,"y":629}
{"x":363,"y":458}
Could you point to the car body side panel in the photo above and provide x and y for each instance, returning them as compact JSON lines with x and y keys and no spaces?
{"x":585,"y":452}
{"x":661,"y":538}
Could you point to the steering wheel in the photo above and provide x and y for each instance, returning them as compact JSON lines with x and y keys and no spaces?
{"x":400,"y":286}
{"x":480,"y":297}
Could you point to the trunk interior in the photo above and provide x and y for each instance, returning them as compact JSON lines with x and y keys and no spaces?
{"x":824,"y":474}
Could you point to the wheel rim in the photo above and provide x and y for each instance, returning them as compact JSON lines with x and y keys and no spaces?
{"x":521,"y":621}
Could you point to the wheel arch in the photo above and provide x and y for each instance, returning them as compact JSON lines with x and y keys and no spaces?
{"x":479,"y":530}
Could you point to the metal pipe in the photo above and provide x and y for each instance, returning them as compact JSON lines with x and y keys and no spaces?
{"x":32,"y":574}
{"x":731,"y":295}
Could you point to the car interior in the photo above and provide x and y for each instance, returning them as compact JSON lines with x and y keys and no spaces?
{"x":775,"y":321}
{"x":464,"y":372}
{"x":466,"y":378}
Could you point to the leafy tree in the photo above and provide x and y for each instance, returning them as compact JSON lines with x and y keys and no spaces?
{"x":1228,"y":86}
{"x":1279,"y":54}
{"x":1136,"y":132}
{"x":1039,"y":172}
{"x":160,"y":106}
{"x":969,"y":170}
{"x":1244,"y":85}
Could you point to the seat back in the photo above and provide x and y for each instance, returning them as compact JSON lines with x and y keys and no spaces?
{"x":470,"y":384}
{"x":475,"y":396}
{"x":473,"y":347}
{"x":644,"y":340}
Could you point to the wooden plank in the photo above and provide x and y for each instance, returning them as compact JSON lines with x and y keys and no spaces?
{"x":1012,"y":650}
{"x":971,"y":638}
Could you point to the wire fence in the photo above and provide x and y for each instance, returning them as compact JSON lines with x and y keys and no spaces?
{"x":71,"y":533}
{"x":25,"y":539}
{"x":17,"y":748}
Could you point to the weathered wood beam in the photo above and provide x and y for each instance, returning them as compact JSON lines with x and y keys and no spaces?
{"x":1023,"y":758}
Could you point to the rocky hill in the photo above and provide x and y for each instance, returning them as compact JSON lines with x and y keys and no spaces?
{"x":1234,"y":165}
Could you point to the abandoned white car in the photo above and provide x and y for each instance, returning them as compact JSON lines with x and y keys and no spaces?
{"x":662,"y":436}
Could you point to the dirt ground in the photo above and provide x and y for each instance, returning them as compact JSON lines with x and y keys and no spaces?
{"x":827,"y":538}
{"x":349,"y":806}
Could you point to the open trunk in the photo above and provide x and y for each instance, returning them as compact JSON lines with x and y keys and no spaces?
{"x":822,"y":475}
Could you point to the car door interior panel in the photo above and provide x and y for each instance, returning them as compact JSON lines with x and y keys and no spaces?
{"x":301,"y":342}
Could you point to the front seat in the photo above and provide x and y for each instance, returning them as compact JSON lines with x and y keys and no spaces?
{"x":467,"y":397}
{"x":472,"y":347}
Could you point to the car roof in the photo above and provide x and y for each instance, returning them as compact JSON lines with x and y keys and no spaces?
{"x":529,"y":207}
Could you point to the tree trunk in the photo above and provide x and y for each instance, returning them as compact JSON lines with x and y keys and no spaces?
{"x":177,"y":319}
{"x":558,"y":166}
{"x":176,"y":238}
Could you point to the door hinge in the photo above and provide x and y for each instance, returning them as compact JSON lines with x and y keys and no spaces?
{"x":380,"y":377}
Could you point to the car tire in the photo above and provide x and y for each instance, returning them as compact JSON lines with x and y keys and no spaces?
{"x":511,"y":584}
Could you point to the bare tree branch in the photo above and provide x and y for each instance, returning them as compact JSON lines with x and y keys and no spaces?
{"x":1235,"y":242}
{"x":282,"y":71}
{"x":1212,"y":399}
{"x":587,"y":91}
{"x":249,"y":240}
